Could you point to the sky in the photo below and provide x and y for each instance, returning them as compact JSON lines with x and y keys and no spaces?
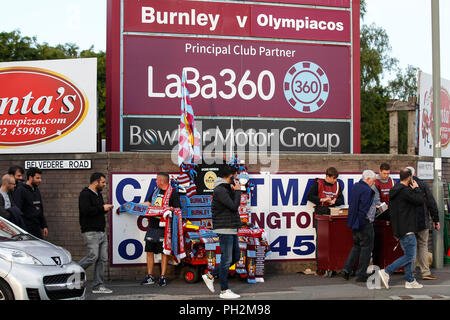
{"x":408,"y":24}
{"x":83,"y":22}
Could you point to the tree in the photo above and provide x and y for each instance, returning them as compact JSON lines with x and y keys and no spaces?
{"x":376,"y":61}
{"x":15,"y":47}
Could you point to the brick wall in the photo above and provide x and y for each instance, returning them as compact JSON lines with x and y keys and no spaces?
{"x":60,"y":190}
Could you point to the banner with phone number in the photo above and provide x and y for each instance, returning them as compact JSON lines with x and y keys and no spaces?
{"x":278,"y":205}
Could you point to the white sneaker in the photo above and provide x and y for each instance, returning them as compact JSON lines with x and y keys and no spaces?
{"x":209,"y":282}
{"x":102,"y":289}
{"x":413,"y":285}
{"x":229,"y":295}
{"x":384,"y":278}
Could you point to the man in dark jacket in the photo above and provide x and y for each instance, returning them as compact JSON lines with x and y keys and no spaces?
{"x":404,"y":197}
{"x":92,"y":221}
{"x":424,"y":213}
{"x":29,"y":200}
{"x":361,"y":215}
{"x":17,"y":172}
{"x":226,"y":222}
{"x":6,"y":200}
{"x":8,"y":208}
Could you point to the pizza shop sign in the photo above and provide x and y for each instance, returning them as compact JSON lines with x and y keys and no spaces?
{"x":40,"y":105}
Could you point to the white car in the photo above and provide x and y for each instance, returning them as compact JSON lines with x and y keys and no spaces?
{"x":34,"y":269}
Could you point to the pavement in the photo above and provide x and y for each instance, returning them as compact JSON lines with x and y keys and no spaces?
{"x":298,"y":286}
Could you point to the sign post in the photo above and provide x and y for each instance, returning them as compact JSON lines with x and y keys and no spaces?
{"x":438,"y":239}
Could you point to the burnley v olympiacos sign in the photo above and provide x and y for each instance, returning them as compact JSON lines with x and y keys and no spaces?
{"x":284,"y":62}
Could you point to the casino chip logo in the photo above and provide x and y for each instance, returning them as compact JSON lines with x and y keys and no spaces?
{"x":306,"y":87}
{"x":209,"y":179}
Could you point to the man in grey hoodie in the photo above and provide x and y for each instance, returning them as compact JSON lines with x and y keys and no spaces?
{"x":226,"y":222}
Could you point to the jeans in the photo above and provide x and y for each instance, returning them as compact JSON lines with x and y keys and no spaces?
{"x":362,"y":249}
{"x":97,"y":253}
{"x":408,"y":244}
{"x":230,"y":254}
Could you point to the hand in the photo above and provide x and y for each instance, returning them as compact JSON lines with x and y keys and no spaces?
{"x":45,"y":232}
{"x":437,"y":225}
{"x":107,"y":207}
{"x":237,"y":186}
{"x":332,"y":202}
{"x":325,"y":200}
{"x":414,"y":184}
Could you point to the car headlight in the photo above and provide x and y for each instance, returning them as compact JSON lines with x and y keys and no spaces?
{"x":68,"y":254}
{"x":18,"y":256}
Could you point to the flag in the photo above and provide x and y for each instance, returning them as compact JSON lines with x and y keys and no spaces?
{"x":188,"y":143}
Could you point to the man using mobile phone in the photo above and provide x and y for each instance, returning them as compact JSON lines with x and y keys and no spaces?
{"x":226,"y":222}
{"x":404,"y":197}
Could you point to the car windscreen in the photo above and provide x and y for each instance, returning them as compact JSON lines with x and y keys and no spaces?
{"x":9,"y":231}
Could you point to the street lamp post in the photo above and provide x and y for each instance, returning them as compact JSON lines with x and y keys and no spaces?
{"x":438,"y":239}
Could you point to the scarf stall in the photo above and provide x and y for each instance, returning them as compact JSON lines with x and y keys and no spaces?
{"x":188,"y":231}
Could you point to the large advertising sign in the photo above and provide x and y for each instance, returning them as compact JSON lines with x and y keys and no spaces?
{"x":279,"y":205}
{"x":154,"y":134}
{"x":245,"y":83}
{"x":293,"y":59}
{"x":48,"y":106}
{"x":426,"y":116}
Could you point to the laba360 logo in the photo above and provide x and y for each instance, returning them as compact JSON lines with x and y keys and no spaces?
{"x":46,"y":106}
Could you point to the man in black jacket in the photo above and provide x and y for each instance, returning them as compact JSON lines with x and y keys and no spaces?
{"x":226,"y":222}
{"x":92,"y":221}
{"x":8,"y":208}
{"x":29,"y":200}
{"x":425,"y":213}
{"x":6,"y":200}
{"x":404,"y":197}
{"x":17,"y":172}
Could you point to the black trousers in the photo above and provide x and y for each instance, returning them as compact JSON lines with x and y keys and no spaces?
{"x":362,"y":250}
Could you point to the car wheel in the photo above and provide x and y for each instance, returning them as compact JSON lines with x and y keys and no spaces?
{"x":5,"y":291}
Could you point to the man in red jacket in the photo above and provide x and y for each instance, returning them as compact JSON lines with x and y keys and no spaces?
{"x":383,"y":184}
{"x":327,"y":192}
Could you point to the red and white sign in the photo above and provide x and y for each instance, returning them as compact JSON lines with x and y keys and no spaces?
{"x":286,"y":59}
{"x":325,"y":3}
{"x":233,"y":19}
{"x":48,"y":106}
{"x":426,"y":116}
{"x":245,"y":83}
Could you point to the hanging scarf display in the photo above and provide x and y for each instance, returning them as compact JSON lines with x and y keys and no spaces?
{"x":173,"y":243}
{"x":142,"y":209}
{"x":187,"y":178}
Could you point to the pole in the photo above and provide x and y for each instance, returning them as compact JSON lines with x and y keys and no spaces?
{"x":438,"y":236}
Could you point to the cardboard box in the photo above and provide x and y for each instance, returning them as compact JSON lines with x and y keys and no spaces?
{"x":339,"y":211}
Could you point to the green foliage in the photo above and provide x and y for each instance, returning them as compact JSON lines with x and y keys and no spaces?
{"x":376,"y":61}
{"x":15,"y":47}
